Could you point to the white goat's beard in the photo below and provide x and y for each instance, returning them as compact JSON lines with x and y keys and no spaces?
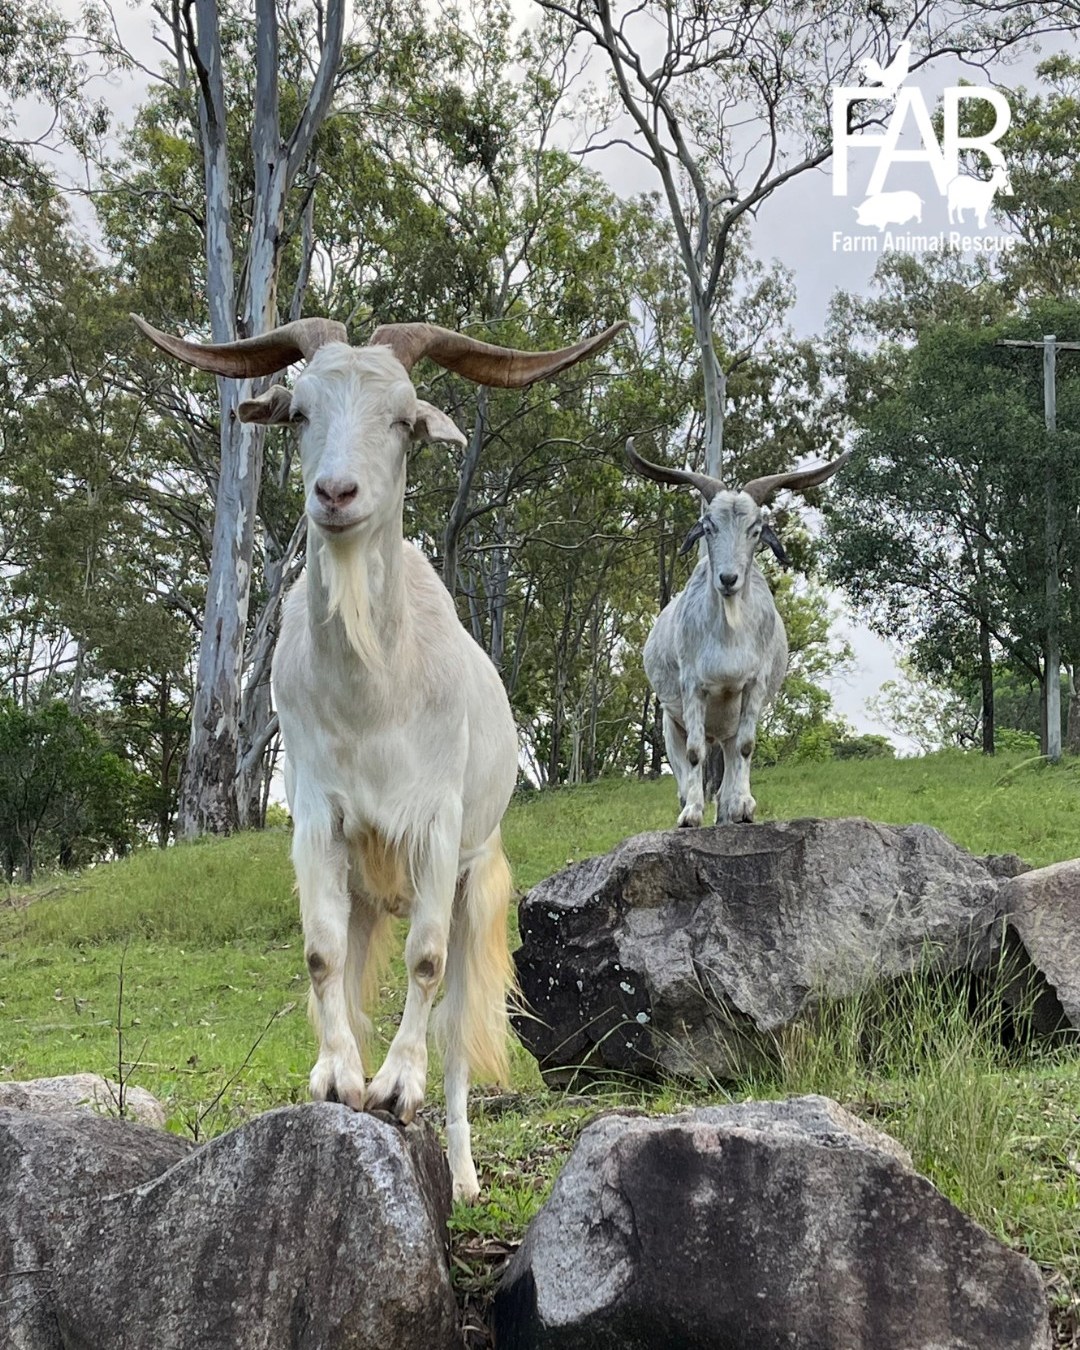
{"x":732,"y":609}
{"x":348,"y":597}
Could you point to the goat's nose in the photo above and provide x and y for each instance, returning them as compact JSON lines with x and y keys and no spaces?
{"x":728,"y":579}
{"x":335,"y":493}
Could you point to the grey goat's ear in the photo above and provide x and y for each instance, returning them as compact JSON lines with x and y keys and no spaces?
{"x":433,"y":425}
{"x":770,"y":537}
{"x":270,"y":409}
{"x":697,"y":531}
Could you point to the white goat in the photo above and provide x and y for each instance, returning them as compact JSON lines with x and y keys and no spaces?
{"x":718,"y":652}
{"x":402,"y":752}
{"x":976,"y":194}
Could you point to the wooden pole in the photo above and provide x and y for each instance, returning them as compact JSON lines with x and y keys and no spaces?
{"x":1053,"y":581}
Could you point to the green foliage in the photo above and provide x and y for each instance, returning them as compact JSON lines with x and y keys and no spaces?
{"x":1023,"y":742}
{"x":938,"y":527}
{"x":865,"y":746}
{"x":65,"y":798}
{"x":39,"y":69}
{"x":438,"y":189}
{"x":1044,"y":205}
{"x":97,"y":585}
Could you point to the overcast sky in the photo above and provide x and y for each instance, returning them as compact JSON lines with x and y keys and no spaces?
{"x":796,"y":226}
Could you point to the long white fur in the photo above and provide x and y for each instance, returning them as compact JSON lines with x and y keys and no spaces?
{"x":715,"y":660}
{"x":401,"y":758}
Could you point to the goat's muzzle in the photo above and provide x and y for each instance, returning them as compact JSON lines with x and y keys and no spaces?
{"x":332,"y":505}
{"x":729,"y":583}
{"x":335,"y":494}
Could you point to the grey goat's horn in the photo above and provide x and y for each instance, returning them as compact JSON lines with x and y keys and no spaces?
{"x":761,"y":489}
{"x":708,"y":487}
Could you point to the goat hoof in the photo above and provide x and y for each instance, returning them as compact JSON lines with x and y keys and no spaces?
{"x":395,"y":1108}
{"x":467,"y":1190}
{"x":740,"y":812}
{"x":337,"y":1083}
{"x":744,"y":811}
{"x":395,"y":1097}
{"x":689,"y":819}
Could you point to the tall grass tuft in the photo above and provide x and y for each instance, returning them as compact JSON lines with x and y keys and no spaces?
{"x":944,"y":1065}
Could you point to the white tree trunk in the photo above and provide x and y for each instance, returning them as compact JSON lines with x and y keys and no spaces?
{"x":212,"y":781}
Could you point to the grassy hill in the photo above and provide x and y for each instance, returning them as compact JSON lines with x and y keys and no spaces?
{"x":211,"y":1019}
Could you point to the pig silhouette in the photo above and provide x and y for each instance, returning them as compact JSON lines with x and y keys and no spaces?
{"x":890,"y":208}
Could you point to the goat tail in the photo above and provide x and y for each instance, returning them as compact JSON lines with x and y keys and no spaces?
{"x":472,"y":1020}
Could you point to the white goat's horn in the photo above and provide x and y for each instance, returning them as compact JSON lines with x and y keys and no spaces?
{"x":761,"y":489}
{"x":708,"y":487}
{"x":481,"y":362}
{"x":250,"y":357}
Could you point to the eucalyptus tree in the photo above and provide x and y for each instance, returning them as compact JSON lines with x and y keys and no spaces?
{"x":242,"y":299}
{"x":432,"y":189}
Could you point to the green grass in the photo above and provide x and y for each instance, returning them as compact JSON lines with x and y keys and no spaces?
{"x":1010,"y":803}
{"x":210,"y":943}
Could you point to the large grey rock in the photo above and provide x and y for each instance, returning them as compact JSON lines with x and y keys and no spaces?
{"x":86,"y":1091}
{"x":1043,"y":912}
{"x":762,"y":1226}
{"x":686,"y":951}
{"x":52,"y":1167}
{"x":310,"y":1226}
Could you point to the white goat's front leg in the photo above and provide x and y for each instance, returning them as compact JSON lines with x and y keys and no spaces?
{"x":735,"y":803}
{"x":321,"y":861}
{"x":399,"y":1085}
{"x":693,"y":792}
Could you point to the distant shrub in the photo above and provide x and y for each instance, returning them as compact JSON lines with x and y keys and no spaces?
{"x":277,"y":817}
{"x":868,"y":746}
{"x":65,"y":799}
{"x":1007,"y":738}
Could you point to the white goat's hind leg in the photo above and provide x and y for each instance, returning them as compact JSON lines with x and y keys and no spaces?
{"x":321,"y":862}
{"x":471,"y":1020}
{"x":458,"y":1134}
{"x":399,"y":1085}
{"x":675,"y":744}
{"x":693,"y":793}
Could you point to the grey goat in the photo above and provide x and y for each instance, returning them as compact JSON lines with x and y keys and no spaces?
{"x":718,"y":652}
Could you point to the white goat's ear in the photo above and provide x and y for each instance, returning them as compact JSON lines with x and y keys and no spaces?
{"x":271,"y":408}
{"x":433,"y":425}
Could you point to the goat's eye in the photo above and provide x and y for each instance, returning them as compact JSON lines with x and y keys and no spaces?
{"x":297,"y":418}
{"x":405,"y":425}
